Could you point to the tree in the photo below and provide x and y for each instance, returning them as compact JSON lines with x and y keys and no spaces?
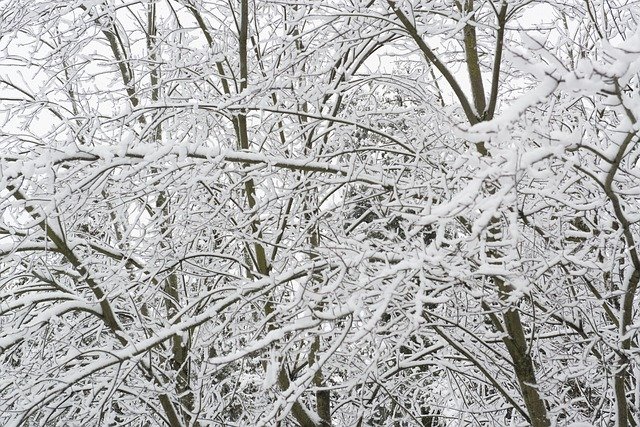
{"x":217,"y":213}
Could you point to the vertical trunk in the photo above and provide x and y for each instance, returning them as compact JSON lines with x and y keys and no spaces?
{"x":621,"y":376}
{"x":516,"y":344}
{"x":497,"y":63}
{"x":473,"y":63}
{"x":179,"y":348}
{"x":262,"y":264}
{"x":243,"y":134}
{"x":323,"y":397}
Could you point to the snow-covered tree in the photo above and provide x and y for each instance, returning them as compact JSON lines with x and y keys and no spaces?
{"x":346,"y":212}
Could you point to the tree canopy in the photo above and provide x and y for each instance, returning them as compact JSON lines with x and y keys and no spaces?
{"x":319,"y":213}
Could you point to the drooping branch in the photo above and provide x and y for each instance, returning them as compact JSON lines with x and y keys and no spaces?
{"x":497,"y":62}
